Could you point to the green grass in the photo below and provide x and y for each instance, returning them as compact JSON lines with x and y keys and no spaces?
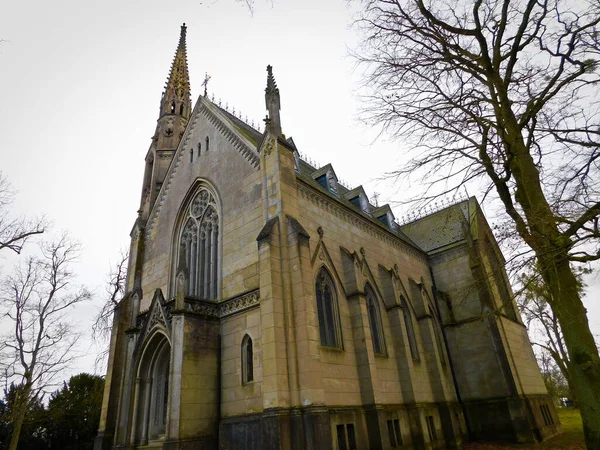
{"x":570,"y":439}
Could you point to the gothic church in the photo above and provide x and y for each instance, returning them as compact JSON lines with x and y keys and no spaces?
{"x":270,"y":307}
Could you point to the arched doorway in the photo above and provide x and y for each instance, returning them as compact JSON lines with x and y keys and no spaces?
{"x":152,"y":390}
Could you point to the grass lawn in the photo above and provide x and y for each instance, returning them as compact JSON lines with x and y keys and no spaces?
{"x":570,"y":439}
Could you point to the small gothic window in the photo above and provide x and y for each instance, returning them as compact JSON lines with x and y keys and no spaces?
{"x":207,"y":142}
{"x":191,"y":155}
{"x":199,"y":247}
{"x":199,"y":148}
{"x":374,"y":321}
{"x":329,"y":322}
{"x":181,"y":109}
{"x":247,"y":360}
{"x":172,"y":106}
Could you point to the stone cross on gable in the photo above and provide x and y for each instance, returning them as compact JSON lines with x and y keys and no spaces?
{"x":205,"y":83}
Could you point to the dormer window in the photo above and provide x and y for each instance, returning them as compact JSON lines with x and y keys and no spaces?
{"x":356,"y":201}
{"x":326,"y":178}
{"x":384,"y":220}
{"x":322,"y":180}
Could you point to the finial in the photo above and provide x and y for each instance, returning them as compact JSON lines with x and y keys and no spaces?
{"x":272,"y":102}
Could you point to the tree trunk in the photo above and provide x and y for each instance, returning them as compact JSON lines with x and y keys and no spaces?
{"x":584,"y":362}
{"x":551,"y":248}
{"x":21,"y":402}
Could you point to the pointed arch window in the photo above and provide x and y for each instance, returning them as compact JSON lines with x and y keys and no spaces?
{"x":374,"y":321}
{"x":172,"y":106}
{"x":247,"y":360}
{"x":207,"y":141}
{"x":410,"y":331}
{"x":199,"y":247}
{"x":327,"y":310}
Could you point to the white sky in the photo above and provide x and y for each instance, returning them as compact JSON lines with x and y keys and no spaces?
{"x":80,"y":84}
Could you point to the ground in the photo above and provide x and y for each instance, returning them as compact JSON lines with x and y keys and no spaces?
{"x":571,"y":439}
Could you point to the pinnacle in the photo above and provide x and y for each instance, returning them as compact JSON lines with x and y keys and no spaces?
{"x":271,"y":84}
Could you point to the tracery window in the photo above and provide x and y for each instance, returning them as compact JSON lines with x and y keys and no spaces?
{"x":247,"y":360}
{"x":410,"y":331}
{"x":374,"y":321}
{"x":329,"y":321}
{"x":199,"y":248}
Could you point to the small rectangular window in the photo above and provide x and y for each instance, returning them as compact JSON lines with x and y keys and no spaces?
{"x":391,"y":433}
{"x":351,"y":437}
{"x":546,"y":415}
{"x":398,"y":433}
{"x":431,"y":429}
{"x":341,"y":437}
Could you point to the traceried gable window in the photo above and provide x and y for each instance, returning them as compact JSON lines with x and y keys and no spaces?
{"x":329,"y":321}
{"x":374,"y":321}
{"x":199,"y":246}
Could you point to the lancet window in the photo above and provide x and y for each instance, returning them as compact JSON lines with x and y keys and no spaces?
{"x":329,"y":320}
{"x":247,"y":360}
{"x":374,"y":321}
{"x":199,"y":246}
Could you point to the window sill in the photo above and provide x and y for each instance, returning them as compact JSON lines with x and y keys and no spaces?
{"x":331,"y":349}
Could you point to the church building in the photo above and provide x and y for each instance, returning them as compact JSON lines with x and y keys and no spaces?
{"x":268,"y":306}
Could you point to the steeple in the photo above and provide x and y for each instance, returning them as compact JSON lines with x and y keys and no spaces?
{"x":272,"y":101}
{"x":175,"y":111}
{"x":176,"y":97}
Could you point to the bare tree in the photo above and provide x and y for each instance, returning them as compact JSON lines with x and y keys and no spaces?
{"x":115,"y":288}
{"x":14,"y":231}
{"x":504,"y":93}
{"x":35,"y":301}
{"x":534,"y":301}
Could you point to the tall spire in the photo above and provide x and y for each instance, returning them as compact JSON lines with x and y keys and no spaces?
{"x":272,"y":102}
{"x":176,"y":97}
{"x":175,"y":111}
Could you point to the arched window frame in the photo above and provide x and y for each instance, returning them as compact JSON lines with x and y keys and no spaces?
{"x":199,"y":148}
{"x":206,"y":143}
{"x":330,"y":330}
{"x":410,"y":330}
{"x":247,"y":360}
{"x":375,"y":322}
{"x":198,"y":252}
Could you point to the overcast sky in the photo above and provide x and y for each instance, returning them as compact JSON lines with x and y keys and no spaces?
{"x":80,"y":84}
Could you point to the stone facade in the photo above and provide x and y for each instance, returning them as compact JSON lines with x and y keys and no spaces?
{"x":269,"y":307}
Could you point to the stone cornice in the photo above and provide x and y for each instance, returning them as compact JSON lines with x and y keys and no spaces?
{"x":357,"y":221}
{"x":225,"y":308}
